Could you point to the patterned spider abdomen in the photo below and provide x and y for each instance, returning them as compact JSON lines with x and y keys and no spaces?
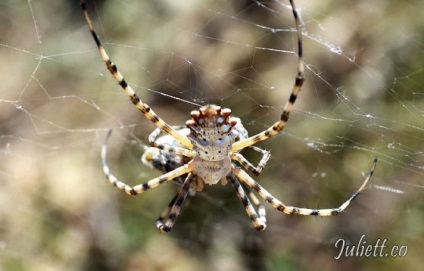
{"x":212,"y":135}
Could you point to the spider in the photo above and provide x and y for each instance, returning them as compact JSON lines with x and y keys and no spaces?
{"x":207,"y":150}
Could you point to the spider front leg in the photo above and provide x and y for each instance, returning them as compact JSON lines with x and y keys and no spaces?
{"x":119,"y":78}
{"x":140,"y":188}
{"x":290,"y":210}
{"x":174,"y":208}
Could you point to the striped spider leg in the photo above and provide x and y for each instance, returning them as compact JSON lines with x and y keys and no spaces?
{"x":140,"y":188}
{"x":292,"y":210}
{"x":117,"y":75}
{"x":278,"y":126}
{"x":174,"y":208}
{"x":258,"y":217}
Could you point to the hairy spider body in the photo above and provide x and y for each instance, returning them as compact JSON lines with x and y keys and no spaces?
{"x":208,"y":149}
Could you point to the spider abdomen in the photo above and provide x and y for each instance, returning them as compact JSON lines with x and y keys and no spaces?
{"x":211,"y":171}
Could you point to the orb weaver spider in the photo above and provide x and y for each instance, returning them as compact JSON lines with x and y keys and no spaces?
{"x":207,"y":150}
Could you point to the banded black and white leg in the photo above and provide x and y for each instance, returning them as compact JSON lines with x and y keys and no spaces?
{"x":260,"y":208}
{"x":278,"y":126}
{"x":157,"y":139}
{"x":292,"y":210}
{"x":174,"y":208}
{"x":117,"y":75}
{"x":140,"y":188}
{"x":258,"y":221}
{"x":256,"y":170}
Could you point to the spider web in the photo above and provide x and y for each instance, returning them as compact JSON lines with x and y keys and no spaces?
{"x":363,"y":97}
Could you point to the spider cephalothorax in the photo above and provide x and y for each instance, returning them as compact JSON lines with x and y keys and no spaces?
{"x":208,"y":149}
{"x":212,"y":134}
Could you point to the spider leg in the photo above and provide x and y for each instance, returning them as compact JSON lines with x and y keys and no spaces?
{"x":155,"y":134}
{"x":143,"y":107}
{"x":259,"y":207}
{"x":174,"y":207}
{"x":249,"y":166}
{"x":140,"y":188}
{"x":278,"y":126}
{"x":174,"y":149}
{"x":171,"y":148}
{"x":290,"y":210}
{"x":257,"y":221}
{"x":165,"y":213}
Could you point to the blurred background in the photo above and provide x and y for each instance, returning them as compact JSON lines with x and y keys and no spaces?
{"x":363,"y":97}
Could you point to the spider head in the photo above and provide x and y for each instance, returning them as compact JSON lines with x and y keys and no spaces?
{"x":211,"y":132}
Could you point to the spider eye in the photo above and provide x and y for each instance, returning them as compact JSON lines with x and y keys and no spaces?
{"x":220,"y":141}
